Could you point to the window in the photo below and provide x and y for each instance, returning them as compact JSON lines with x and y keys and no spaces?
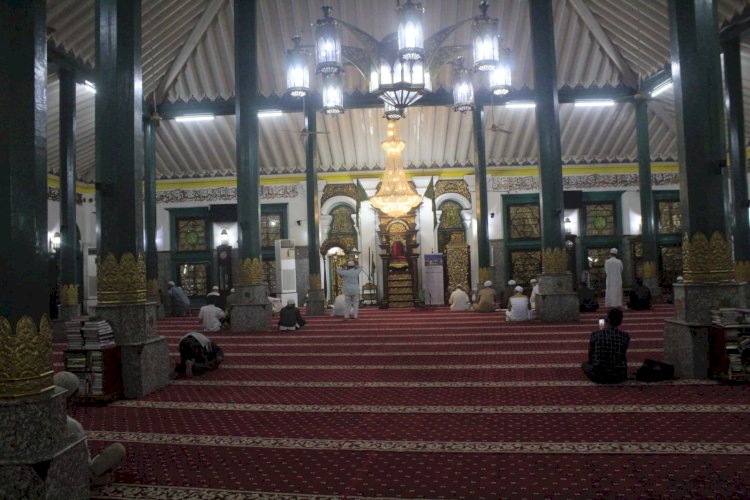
{"x":192,"y":235}
{"x":600,"y":219}
{"x":670,"y":217}
{"x":194,"y":278}
{"x":525,"y":223}
{"x":595,"y":258}
{"x":271,"y":228}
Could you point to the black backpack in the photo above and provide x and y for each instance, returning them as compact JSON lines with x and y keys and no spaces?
{"x":654,"y":371}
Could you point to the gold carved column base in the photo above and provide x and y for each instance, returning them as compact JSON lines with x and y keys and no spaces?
{"x":742,"y":271}
{"x":69,"y":295}
{"x":554,"y":261}
{"x":315,"y":282}
{"x":26,"y":369}
{"x":707,"y":261}
{"x":251,"y":272}
{"x":649,"y":270}
{"x":121,"y":282}
{"x":485,"y":274}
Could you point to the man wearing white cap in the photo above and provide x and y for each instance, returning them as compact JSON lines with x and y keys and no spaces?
{"x":613,"y":269}
{"x":507,"y":292}
{"x":218,"y":299}
{"x":486,"y":299}
{"x":350,"y":275}
{"x":518,"y":306}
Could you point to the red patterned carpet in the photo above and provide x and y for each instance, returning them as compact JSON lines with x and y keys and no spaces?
{"x":425,"y":404}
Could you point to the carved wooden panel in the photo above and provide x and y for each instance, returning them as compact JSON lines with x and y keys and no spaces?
{"x":670,"y":217}
{"x":525,"y":223}
{"x":600,"y":219}
{"x":194,"y":278}
{"x":525,"y":264}
{"x":192,"y":235}
{"x":595,"y":258}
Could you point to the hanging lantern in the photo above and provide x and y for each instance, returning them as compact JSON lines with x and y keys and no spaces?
{"x":400,"y":84}
{"x":395,"y":196}
{"x":463,"y":90}
{"x":327,"y":43}
{"x":297,"y":71}
{"x":410,"y":31}
{"x":484,"y":33}
{"x":392,"y":112}
{"x":500,"y":76}
{"x":333,"y":95}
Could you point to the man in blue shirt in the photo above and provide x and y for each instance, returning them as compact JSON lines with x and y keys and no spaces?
{"x":607,"y":363}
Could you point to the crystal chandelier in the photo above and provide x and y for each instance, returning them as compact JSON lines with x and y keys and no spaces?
{"x":399,"y":66}
{"x":396,"y":197}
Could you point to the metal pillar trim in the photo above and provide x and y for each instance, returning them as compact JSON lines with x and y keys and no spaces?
{"x":119,"y":128}
{"x":149,"y":195}
{"x":246,"y":104}
{"x":648,"y":215}
{"x":480,"y":172}
{"x":548,"y":123}
{"x":699,"y":108}
{"x":738,"y":157}
{"x":313,"y":210}
{"x":69,"y":238}
{"x":23,"y":160}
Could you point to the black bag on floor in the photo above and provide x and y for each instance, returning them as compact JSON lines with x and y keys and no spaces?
{"x":654,"y":371}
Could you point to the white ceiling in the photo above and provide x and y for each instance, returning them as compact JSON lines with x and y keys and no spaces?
{"x":637,"y":32}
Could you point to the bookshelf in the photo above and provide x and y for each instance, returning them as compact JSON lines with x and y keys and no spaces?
{"x":729,"y":344}
{"x":95,"y":359}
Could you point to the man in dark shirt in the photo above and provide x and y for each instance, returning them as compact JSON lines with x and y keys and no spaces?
{"x":607,"y":363}
{"x":640,"y":297}
{"x":587,"y":299}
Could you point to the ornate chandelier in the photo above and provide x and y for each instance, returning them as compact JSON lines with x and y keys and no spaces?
{"x":396,"y":197}
{"x":399,"y":66}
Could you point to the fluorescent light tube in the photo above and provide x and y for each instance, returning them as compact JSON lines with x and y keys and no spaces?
{"x":520,"y":104}
{"x":594,"y":103}
{"x":194,"y":118}
{"x":269,"y":113}
{"x":87,"y":85}
{"x":661,"y":88}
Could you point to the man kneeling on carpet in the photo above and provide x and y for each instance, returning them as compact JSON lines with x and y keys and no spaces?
{"x":607,"y":363}
{"x":290,"y":318}
{"x":198,"y":354}
{"x":101,"y":467}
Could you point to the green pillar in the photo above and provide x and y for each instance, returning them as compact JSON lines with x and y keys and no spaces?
{"x":738,"y":160}
{"x":149,"y":204}
{"x":23,"y":161}
{"x":696,"y":73}
{"x":119,"y":128}
{"x":480,"y":174}
{"x":313,"y":210}
{"x":547,"y":123}
{"x":648,"y":223}
{"x":69,"y":278}
{"x":246,"y":116}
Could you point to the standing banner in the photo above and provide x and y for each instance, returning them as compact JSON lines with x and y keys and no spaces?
{"x":434,"y":294}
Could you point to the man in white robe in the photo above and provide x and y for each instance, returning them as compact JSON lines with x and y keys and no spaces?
{"x":613,"y":269}
{"x":459,"y":300}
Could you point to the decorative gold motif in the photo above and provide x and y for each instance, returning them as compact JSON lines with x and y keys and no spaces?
{"x":742,"y":271}
{"x":450,"y":218}
{"x":554,"y":261}
{"x":457,"y":239}
{"x":251,"y":272}
{"x":342,"y":221}
{"x":707,"y":261}
{"x":457,"y":186}
{"x":27,"y":357}
{"x":69,"y":295}
{"x":648,"y":270}
{"x":332,"y":190}
{"x":525,"y":221}
{"x":346,"y":243}
{"x":123,"y":282}
{"x":315,"y":282}
{"x":153,"y":287}
{"x":457,"y":262}
{"x":485,"y":274}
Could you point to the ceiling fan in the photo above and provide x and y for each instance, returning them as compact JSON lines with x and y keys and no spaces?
{"x":495,"y":127}
{"x":303,"y":132}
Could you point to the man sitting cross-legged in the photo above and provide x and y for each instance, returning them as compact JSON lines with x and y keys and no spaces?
{"x":607,"y":363}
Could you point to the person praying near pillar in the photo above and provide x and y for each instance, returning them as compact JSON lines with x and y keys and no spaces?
{"x":198,"y":354}
{"x":459,"y":300}
{"x":290,"y":317}
{"x":613,"y":269}
{"x":587,"y":299}
{"x":180,"y":300}
{"x":518,"y":306}
{"x":210,"y":315}
{"x":639,"y":299}
{"x":486,"y":299}
{"x":350,"y":275}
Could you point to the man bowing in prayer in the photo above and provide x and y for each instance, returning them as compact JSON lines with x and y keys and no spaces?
{"x":613,"y":269}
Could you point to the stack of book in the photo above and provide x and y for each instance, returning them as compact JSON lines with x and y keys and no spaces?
{"x":75,"y":361}
{"x":97,"y":334}
{"x":736,"y":325}
{"x":73,"y":333}
{"x":97,"y":369}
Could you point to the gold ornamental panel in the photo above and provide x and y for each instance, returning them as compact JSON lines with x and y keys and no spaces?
{"x":333,"y":190}
{"x":648,"y":270}
{"x":26,"y":369}
{"x":525,"y":264}
{"x":457,"y":186}
{"x":525,"y":222}
{"x":152,"y":287}
{"x":554,"y":260}
{"x":742,"y":271}
{"x":121,"y":282}
{"x":485,"y":274}
{"x":69,"y":295}
{"x":457,"y":262}
{"x":251,"y":272}
{"x":707,"y":261}
{"x":450,"y":218}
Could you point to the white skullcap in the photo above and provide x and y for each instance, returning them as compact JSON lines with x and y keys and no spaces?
{"x":215,"y":288}
{"x":231,"y":290}
{"x":350,"y":263}
{"x":511,"y":282}
{"x":66,"y":380}
{"x":680,"y":279}
{"x":518,"y":289}
{"x":170,"y":283}
{"x":487,"y":284}
{"x":613,"y":251}
{"x":290,"y":302}
{"x":534,"y":280}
